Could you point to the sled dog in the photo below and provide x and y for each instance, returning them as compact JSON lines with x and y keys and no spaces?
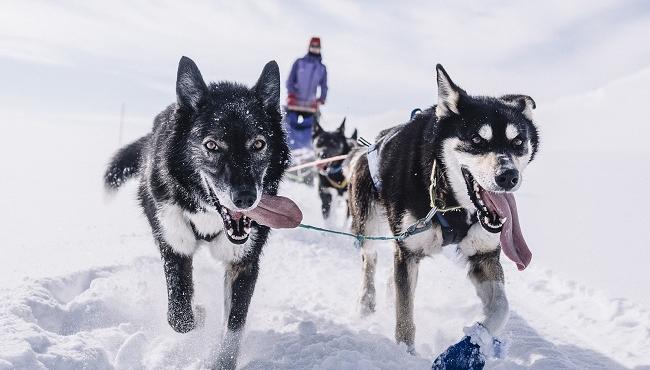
{"x":469,"y":154}
{"x":208,"y":176}
{"x":331,"y":177}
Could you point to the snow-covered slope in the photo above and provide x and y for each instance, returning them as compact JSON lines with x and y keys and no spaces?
{"x":83,"y":287}
{"x":303,"y":315}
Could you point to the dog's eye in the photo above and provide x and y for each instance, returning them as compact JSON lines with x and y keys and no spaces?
{"x":259,"y":144}
{"x":476,"y":139}
{"x":211,"y":145}
{"x":517,"y":141}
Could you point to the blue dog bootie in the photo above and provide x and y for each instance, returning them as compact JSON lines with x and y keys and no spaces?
{"x":471,"y":352}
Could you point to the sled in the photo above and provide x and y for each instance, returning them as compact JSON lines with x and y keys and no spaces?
{"x":302,"y":175}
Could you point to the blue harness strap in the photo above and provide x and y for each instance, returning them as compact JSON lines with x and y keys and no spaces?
{"x":373,"y":166}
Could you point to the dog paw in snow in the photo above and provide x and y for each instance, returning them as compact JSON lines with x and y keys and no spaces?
{"x":463,"y":355}
{"x":181,"y":318}
{"x":472,"y":351}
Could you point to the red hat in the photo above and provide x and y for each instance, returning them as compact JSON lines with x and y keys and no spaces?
{"x":315,"y":41}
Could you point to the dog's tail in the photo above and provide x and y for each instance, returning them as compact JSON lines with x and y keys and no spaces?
{"x":125,"y":164}
{"x":361,"y":192}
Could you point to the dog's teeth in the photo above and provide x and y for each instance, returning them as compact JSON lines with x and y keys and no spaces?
{"x":230,"y":232}
{"x":247,"y":229}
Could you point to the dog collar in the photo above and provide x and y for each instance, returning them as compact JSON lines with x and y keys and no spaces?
{"x":199,"y":236}
{"x":333,"y":172}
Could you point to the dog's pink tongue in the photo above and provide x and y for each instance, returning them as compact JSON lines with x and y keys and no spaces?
{"x":276,"y":212}
{"x":512,"y":240}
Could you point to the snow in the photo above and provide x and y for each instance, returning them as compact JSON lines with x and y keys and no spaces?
{"x":81,"y":285}
{"x":84,"y":287}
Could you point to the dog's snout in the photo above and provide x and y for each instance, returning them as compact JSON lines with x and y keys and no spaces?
{"x":244,"y":198}
{"x":508,"y":179}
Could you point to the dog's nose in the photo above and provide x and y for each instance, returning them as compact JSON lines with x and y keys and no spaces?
{"x":244,"y":199}
{"x":508,"y":179}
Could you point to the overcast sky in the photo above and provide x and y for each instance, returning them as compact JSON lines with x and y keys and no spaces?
{"x":86,"y":58}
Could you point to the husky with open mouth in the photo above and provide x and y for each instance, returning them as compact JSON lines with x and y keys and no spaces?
{"x":209,"y":173}
{"x":468,"y":153}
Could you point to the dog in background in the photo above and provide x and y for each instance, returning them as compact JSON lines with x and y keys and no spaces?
{"x":331,"y":177}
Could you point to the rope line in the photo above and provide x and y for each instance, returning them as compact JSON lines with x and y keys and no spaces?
{"x":416,"y":228}
{"x":315,"y":163}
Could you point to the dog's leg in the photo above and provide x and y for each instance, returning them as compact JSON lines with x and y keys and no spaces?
{"x":406,"y":275}
{"x":367,"y":298}
{"x":180,"y":289}
{"x":486,"y":274}
{"x":326,"y":200}
{"x":239,"y":284}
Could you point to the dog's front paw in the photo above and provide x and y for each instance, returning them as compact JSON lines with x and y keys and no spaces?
{"x":463,"y":355}
{"x":181,"y":318}
{"x":472,"y":351}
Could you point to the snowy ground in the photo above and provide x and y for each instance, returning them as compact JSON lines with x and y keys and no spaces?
{"x":83,"y":286}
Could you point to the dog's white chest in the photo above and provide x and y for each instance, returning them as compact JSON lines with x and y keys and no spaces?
{"x":210,"y":224}
{"x":427,"y":242}
{"x":205,"y":223}
{"x":185,"y":231}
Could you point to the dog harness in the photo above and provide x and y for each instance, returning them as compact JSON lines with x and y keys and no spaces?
{"x":450,"y":235}
{"x":199,"y":236}
{"x":331,"y":174}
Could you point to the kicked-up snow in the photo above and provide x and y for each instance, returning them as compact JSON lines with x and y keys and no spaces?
{"x":304,"y":313}
{"x":82,"y":284}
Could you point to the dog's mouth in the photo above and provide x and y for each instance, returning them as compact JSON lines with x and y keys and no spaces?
{"x":487,"y":213}
{"x":238,"y":227}
{"x":497,"y":212}
{"x":273,"y":211}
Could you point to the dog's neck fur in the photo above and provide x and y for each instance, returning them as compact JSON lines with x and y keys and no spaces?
{"x":450,"y":190}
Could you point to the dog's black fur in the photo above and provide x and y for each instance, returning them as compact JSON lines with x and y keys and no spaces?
{"x":407,"y":156}
{"x":215,"y":150}
{"x":328,"y":144}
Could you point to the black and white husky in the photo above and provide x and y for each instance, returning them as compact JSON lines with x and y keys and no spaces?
{"x":209,"y":173}
{"x":331,"y":178}
{"x":477,"y":148}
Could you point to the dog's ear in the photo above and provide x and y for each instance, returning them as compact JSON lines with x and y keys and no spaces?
{"x":449,"y":94}
{"x":316,"y":129}
{"x":267,"y":87}
{"x":355,"y":134}
{"x":524,"y":103}
{"x":190,"y":87}
{"x":341,"y":128}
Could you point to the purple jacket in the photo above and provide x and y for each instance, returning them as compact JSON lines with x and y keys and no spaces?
{"x":306,"y":75}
